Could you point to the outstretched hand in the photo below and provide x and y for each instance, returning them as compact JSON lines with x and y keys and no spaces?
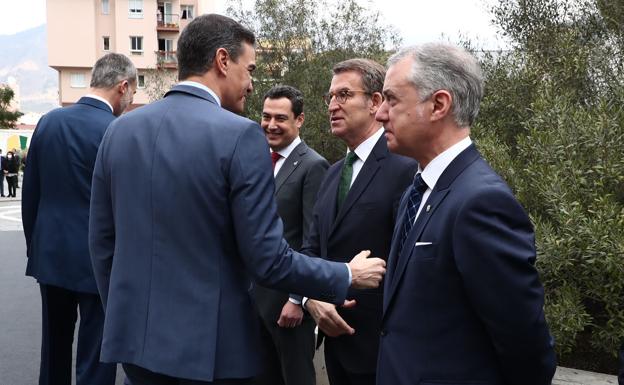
{"x":366,"y":273}
{"x":328,"y":319}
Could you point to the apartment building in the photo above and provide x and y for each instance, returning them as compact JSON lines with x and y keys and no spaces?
{"x":81,"y":31}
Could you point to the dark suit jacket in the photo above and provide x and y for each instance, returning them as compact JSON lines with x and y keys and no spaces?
{"x":56,"y":192}
{"x":365,"y":221}
{"x":176,"y":240}
{"x":296,"y":186}
{"x":466,"y":308}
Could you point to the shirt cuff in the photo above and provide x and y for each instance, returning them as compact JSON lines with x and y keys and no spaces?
{"x":294,"y":301}
{"x":304,"y":301}
{"x":350,"y":276}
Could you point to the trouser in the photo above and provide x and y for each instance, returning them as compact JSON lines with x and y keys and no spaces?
{"x":60,"y":310}
{"x":339,"y":375}
{"x":12,"y":182}
{"x":288,"y":354}
{"x":140,"y":376}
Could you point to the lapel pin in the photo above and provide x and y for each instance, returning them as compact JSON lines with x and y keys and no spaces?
{"x":296,"y":162}
{"x":428,"y":208}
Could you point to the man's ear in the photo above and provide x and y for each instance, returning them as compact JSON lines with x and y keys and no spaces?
{"x":299,"y":120}
{"x":442,"y":101}
{"x":123,"y":87}
{"x":221,"y":61}
{"x":377,"y":100}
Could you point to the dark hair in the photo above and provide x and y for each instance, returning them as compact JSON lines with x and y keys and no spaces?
{"x":291,"y":93}
{"x":200,"y":40}
{"x":372,"y":73}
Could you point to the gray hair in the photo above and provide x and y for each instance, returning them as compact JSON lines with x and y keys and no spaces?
{"x":372,"y":73}
{"x":439,"y":66}
{"x":111,"y":69}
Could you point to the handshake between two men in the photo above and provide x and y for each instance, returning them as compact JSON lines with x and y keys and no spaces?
{"x":366,"y":273}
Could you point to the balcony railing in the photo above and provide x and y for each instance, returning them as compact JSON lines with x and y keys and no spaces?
{"x":166,"y":59}
{"x":167,"y":22}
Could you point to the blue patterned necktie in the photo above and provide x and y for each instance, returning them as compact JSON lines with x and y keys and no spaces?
{"x":417,"y":190}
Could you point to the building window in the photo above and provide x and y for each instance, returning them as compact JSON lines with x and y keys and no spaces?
{"x":77,"y":80}
{"x":105,"y":7}
{"x":141,"y":81}
{"x":136,"y":43}
{"x":187,"y":11}
{"x":106,"y":43}
{"x":135,"y":9}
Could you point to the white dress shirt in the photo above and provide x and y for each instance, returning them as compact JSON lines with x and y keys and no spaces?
{"x":100,"y":99}
{"x":436,"y":167}
{"x":363,"y":151}
{"x":201,"y":86}
{"x":285,"y":153}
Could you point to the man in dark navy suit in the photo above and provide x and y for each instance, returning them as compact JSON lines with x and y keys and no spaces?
{"x":55,"y":214}
{"x":356,"y":209}
{"x":463,"y":303}
{"x":174,"y":274}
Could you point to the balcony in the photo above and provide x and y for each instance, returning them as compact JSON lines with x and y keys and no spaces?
{"x":167,"y":22}
{"x":166,"y":59}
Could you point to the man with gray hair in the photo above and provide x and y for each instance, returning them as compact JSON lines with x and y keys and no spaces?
{"x":463,"y":302}
{"x":55,"y":214}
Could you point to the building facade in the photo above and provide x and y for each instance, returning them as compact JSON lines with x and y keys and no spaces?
{"x":147,"y":31}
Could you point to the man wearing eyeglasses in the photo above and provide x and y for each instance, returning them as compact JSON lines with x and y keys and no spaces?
{"x":355,"y":209}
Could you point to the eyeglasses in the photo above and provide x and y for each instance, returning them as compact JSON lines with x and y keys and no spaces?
{"x":342,"y":95}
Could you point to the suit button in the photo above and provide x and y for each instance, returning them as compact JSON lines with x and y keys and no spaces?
{"x":383,"y":332}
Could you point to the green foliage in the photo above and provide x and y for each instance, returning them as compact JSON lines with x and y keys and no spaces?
{"x":299,"y":41}
{"x":8,"y":118}
{"x":552,"y":123}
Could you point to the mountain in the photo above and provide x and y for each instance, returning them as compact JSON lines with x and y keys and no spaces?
{"x":24,"y":56}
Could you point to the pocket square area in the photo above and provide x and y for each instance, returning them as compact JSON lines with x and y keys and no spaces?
{"x":423,"y":244}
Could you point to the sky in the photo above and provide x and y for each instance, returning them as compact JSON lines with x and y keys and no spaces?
{"x":418,"y":21}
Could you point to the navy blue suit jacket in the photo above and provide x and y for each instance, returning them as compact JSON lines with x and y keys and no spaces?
{"x":365,"y":222}
{"x":466,"y":308}
{"x":183,"y":217}
{"x":56,"y":192}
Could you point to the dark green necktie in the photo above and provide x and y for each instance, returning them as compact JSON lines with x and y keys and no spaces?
{"x":345,"y":177}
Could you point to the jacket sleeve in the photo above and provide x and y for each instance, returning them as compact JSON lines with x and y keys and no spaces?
{"x":30,"y":189}
{"x":259,"y":230}
{"x":495,"y":255}
{"x":101,"y":223}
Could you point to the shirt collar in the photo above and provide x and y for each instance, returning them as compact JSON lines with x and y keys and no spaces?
{"x":201,"y":87}
{"x":436,"y":167}
{"x":101,"y":99}
{"x":285,"y":152}
{"x":366,"y":147}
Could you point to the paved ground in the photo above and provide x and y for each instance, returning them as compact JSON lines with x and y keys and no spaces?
{"x":20,"y":305}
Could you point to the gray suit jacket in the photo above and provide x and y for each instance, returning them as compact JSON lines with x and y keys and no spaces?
{"x":177,"y":233}
{"x":296,"y":187}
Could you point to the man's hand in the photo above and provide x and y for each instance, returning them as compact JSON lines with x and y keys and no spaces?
{"x":366,"y":273}
{"x":328,"y":319}
{"x":291,"y":315}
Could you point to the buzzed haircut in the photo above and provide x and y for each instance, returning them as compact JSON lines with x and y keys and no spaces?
{"x":291,"y":93}
{"x":111,"y":69}
{"x":200,"y":40}
{"x":372,"y":73}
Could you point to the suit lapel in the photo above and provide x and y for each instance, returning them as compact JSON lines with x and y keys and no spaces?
{"x":363,"y":179}
{"x":435,"y":198}
{"x":440,"y":191}
{"x":290,"y":164}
